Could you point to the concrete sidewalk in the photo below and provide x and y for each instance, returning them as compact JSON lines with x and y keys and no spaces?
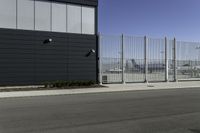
{"x":109,"y":88}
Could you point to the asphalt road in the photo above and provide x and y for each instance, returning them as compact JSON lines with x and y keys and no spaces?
{"x":158,"y":111}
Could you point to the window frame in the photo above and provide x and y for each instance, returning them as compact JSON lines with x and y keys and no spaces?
{"x":20,"y":18}
{"x":52,"y":18}
{"x":80,"y":30}
{"x":94,"y":20}
{"x":37,"y":20}
{"x":12,"y":7}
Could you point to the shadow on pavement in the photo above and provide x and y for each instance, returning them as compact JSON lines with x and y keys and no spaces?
{"x":195,"y":130}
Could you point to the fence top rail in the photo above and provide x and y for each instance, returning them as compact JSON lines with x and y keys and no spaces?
{"x":148,"y":37}
{"x":187,"y":42}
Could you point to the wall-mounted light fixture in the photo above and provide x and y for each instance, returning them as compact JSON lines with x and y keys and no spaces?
{"x":47,"y":41}
{"x":91,"y":51}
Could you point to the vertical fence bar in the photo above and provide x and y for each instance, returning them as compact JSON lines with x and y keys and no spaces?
{"x":166,"y":61}
{"x":175,"y":61}
{"x":146,"y":58}
{"x":99,"y":59}
{"x":122,"y":58}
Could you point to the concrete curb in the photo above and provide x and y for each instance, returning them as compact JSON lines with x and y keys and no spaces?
{"x":22,"y":87}
{"x":110,"y":88}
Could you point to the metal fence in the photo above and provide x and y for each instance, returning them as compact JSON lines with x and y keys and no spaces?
{"x":129,"y":59}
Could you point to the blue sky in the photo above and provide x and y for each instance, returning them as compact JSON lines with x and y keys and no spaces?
{"x":154,"y":18}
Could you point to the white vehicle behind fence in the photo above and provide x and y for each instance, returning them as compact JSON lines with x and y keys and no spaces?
{"x":187,"y":69}
{"x":115,"y":70}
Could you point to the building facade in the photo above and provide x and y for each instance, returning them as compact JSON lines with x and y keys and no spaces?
{"x":48,"y":40}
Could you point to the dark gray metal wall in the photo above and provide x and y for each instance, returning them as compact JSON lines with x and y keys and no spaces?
{"x":25,"y":59}
{"x":82,"y":2}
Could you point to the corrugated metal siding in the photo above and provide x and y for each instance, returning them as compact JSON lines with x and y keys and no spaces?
{"x":24,"y":59}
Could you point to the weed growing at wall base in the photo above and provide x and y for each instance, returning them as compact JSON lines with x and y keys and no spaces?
{"x":63,"y":84}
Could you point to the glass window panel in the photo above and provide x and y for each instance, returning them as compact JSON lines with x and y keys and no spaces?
{"x":25,"y":14}
{"x":59,"y":15}
{"x":73,"y":19}
{"x":8,"y":13}
{"x":88,"y":20}
{"x":42,"y":15}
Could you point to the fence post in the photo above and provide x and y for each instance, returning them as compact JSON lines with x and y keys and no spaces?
{"x":146,"y":58}
{"x":122,"y":57}
{"x":175,"y":61}
{"x":166,"y":61}
{"x":99,"y":59}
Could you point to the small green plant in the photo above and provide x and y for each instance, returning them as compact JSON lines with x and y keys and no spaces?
{"x":60,"y":84}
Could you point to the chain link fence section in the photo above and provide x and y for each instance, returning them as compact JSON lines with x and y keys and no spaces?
{"x":129,"y":59}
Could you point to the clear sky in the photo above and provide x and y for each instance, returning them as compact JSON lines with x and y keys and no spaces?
{"x":154,"y":18}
